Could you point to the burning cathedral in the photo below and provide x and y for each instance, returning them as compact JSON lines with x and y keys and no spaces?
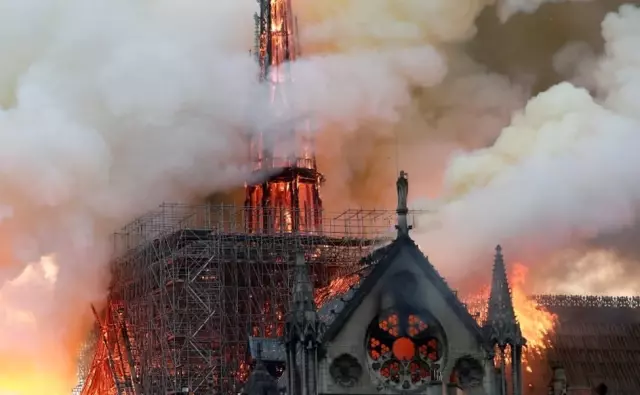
{"x":399,"y":328}
{"x":198,"y":290}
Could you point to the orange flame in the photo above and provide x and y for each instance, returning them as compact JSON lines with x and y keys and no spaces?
{"x":337,"y":287}
{"x":536,"y":322}
{"x":24,"y":379}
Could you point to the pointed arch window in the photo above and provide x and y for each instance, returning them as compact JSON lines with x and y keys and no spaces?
{"x":404,"y":350}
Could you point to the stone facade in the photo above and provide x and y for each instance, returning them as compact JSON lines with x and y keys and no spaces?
{"x":399,"y":329}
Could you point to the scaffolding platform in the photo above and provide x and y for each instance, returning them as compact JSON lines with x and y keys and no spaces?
{"x":190,"y":285}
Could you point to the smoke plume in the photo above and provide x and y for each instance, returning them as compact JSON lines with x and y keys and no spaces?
{"x":413,"y":89}
{"x":107,"y":108}
{"x":561,"y":176}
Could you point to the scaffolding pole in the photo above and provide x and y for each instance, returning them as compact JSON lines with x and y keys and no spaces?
{"x":191,"y":284}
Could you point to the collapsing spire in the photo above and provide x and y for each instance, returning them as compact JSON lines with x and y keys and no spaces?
{"x":502,"y":325}
{"x":284,"y":194}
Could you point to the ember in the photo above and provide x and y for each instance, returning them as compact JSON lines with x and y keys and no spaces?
{"x":337,"y":287}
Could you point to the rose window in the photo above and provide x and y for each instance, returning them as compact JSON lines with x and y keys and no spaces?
{"x":404,"y":352}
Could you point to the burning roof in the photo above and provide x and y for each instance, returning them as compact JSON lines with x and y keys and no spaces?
{"x":597,"y":340}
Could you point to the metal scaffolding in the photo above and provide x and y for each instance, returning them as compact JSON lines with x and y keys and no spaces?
{"x":85,"y":359}
{"x":190,"y":285}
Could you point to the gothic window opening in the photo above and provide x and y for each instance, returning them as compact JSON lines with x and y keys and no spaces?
{"x":404,"y":350}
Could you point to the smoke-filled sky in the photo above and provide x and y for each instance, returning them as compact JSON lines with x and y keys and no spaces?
{"x":557,"y":186}
{"x":517,"y":123}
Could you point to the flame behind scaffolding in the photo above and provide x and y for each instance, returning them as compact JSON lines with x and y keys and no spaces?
{"x":190,"y":284}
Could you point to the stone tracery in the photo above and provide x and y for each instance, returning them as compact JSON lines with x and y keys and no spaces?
{"x":406,"y":348}
{"x":403,"y":350}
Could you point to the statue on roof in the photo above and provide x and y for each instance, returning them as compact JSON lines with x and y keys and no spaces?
{"x":403,"y":191}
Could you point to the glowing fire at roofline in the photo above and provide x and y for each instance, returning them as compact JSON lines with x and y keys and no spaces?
{"x":536,"y":322}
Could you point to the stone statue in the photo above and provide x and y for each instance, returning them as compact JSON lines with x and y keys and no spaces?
{"x":469,"y":373}
{"x":346,"y":370}
{"x":403,"y":192}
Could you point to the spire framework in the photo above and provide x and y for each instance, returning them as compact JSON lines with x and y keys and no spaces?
{"x":284,"y":193}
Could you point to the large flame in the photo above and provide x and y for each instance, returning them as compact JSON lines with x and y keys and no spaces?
{"x":25,"y":379}
{"x":39,"y":369}
{"x":536,"y":322}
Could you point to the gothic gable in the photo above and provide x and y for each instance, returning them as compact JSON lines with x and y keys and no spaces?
{"x":399,"y":328}
{"x":399,"y":295}
{"x":336,"y":311}
{"x":403,"y":251}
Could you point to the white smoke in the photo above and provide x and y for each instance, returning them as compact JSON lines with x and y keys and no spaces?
{"x":563,"y":172}
{"x":107,"y":108}
{"x":386,"y":76}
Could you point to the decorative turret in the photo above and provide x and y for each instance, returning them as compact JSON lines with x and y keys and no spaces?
{"x":502,"y":328}
{"x":302,"y":334}
{"x":303,"y":300}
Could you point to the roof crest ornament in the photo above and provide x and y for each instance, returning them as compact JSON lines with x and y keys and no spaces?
{"x":403,"y":192}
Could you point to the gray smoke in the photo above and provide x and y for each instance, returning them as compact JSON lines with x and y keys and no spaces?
{"x":561,"y":177}
{"x":107,"y":108}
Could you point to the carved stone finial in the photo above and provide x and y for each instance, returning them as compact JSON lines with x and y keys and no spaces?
{"x":403,"y":192}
